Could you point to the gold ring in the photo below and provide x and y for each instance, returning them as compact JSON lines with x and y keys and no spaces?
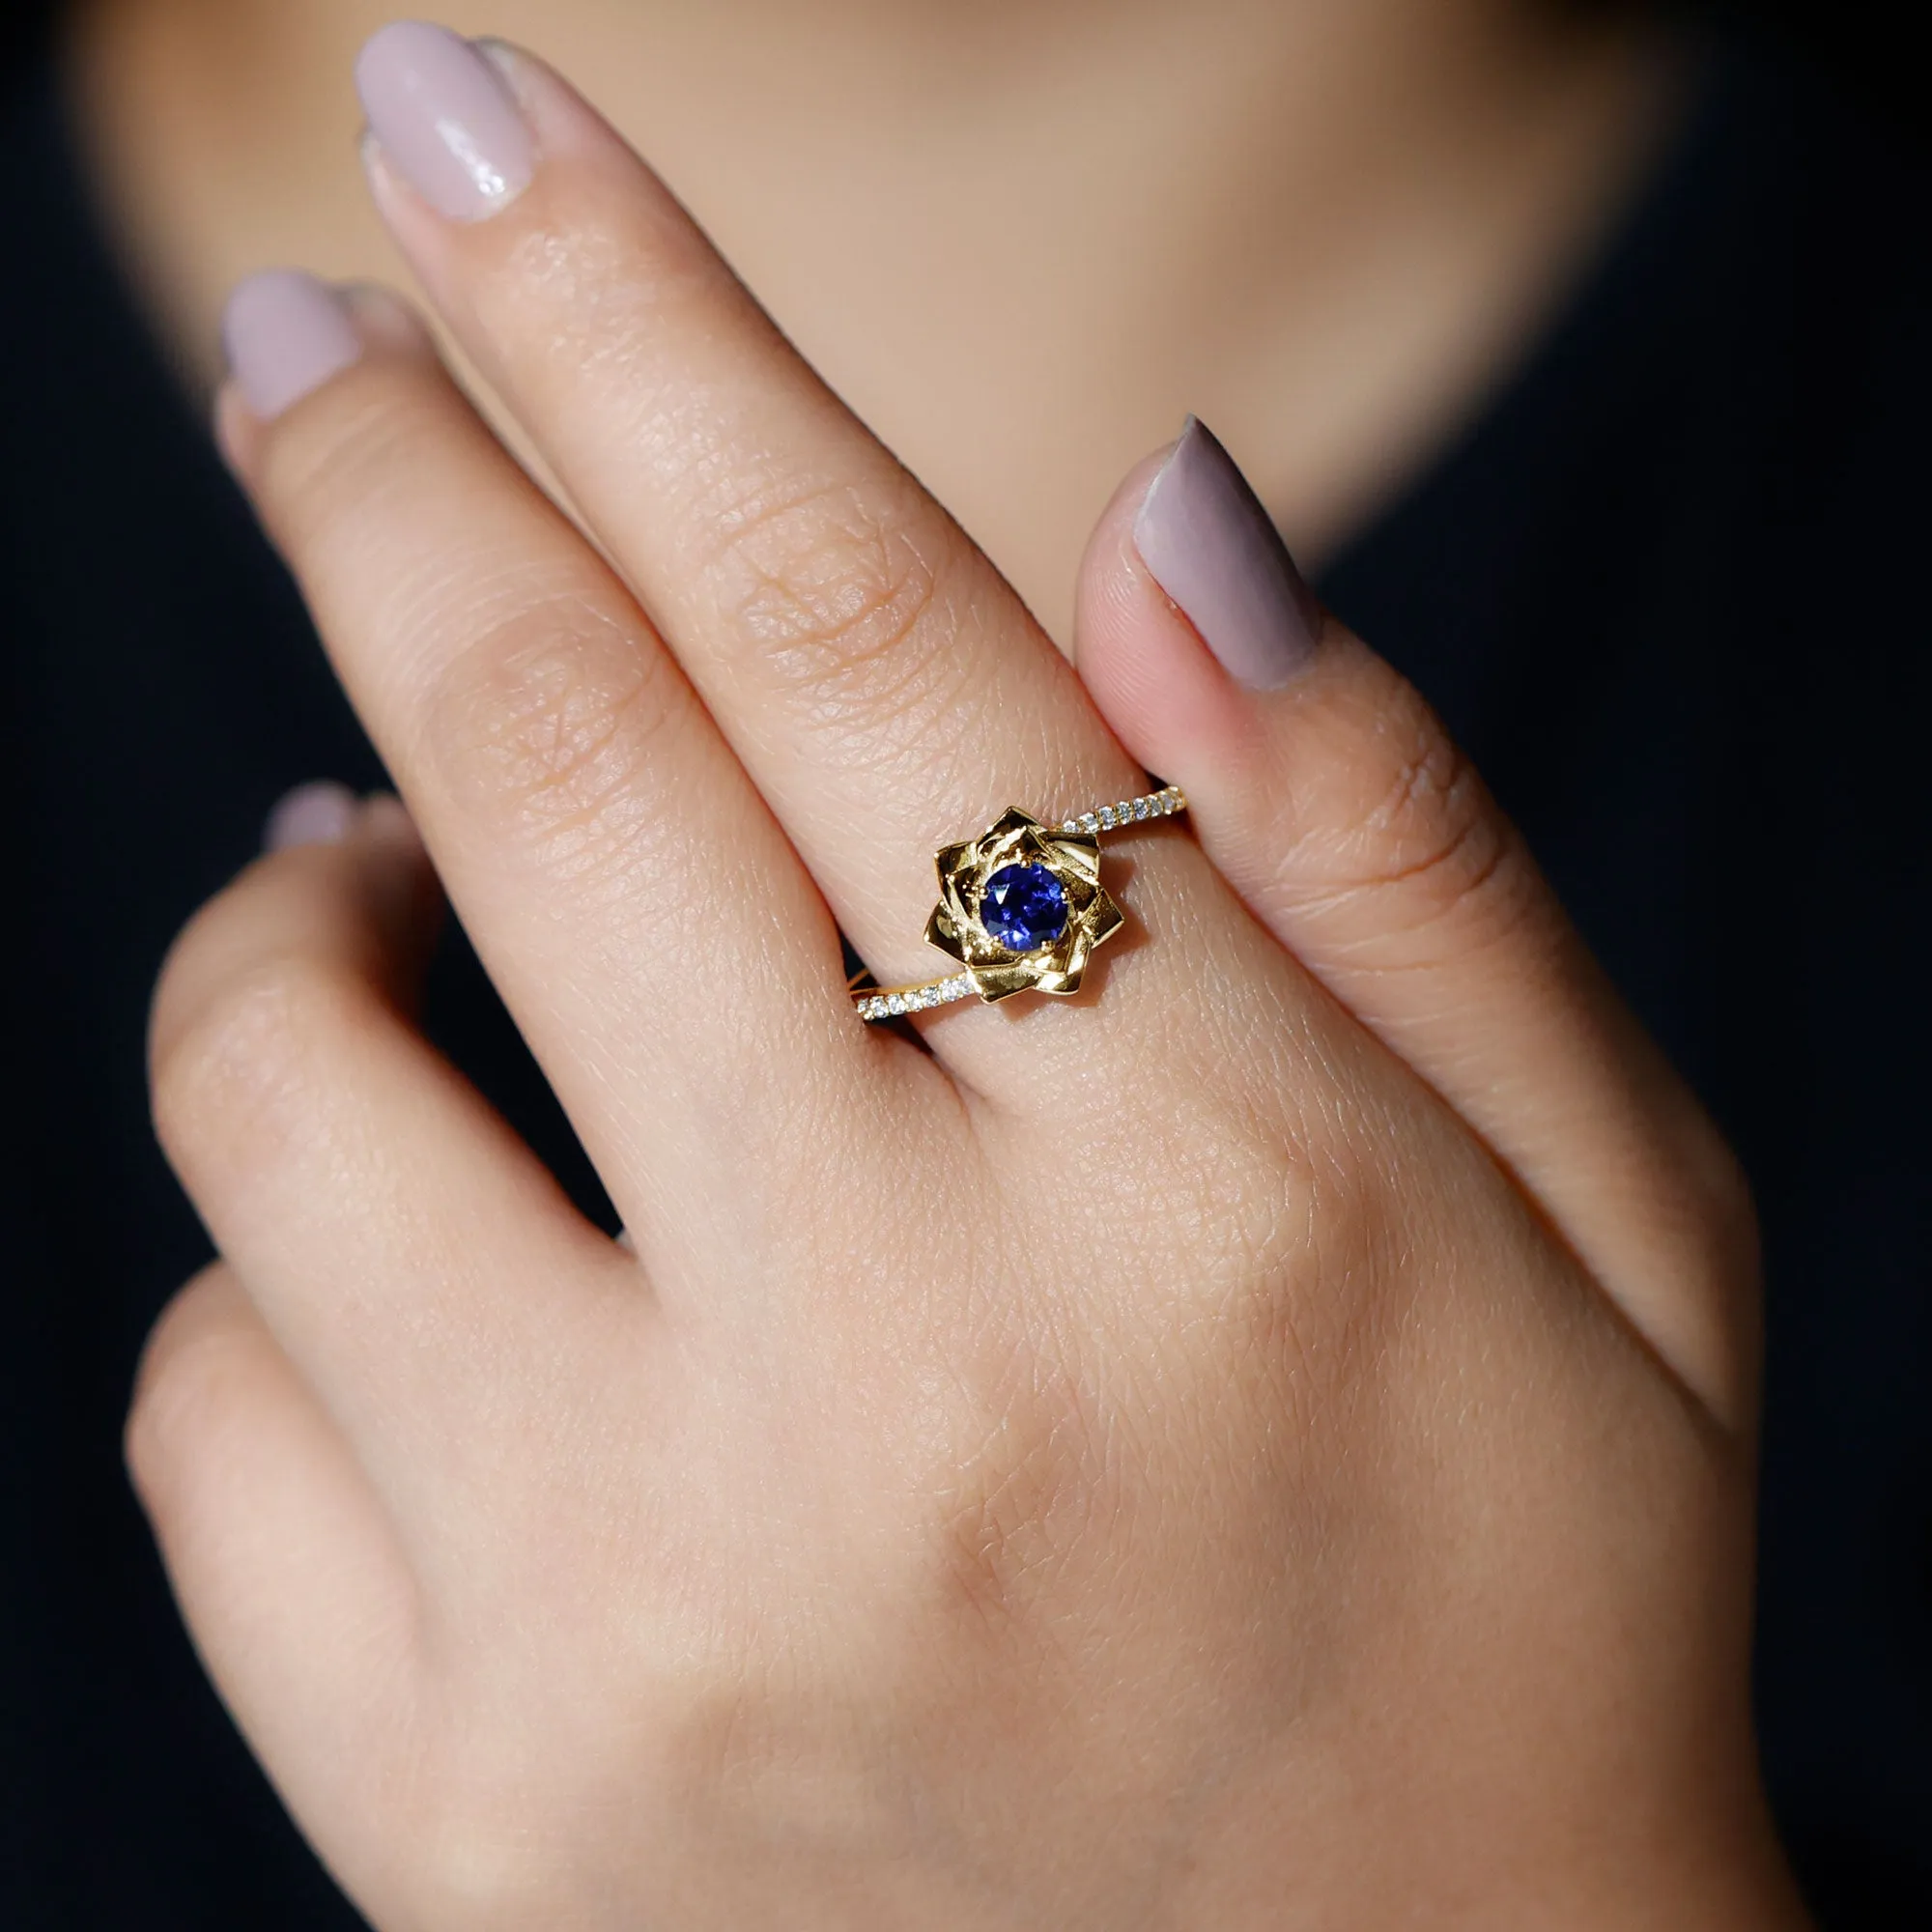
{"x":1021,"y":907}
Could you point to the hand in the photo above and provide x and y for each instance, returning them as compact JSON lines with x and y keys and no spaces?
{"x":1264,"y":1442}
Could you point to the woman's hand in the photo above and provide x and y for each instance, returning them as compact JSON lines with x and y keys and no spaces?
{"x":1264,"y":1442}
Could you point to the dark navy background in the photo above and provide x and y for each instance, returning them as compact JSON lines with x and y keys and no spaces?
{"x":1669,"y":589}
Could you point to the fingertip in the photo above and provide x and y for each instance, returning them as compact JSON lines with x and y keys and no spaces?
{"x":236,"y":429}
{"x":1207,"y":540}
{"x":322,"y":813}
{"x":285,"y":333}
{"x":1146,"y":668}
{"x":206,"y":1310}
{"x":445,"y":119}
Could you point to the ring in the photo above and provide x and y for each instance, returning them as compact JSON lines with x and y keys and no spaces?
{"x":1021,"y":907}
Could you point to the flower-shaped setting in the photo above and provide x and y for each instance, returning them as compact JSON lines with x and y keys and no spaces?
{"x":1021,"y":906}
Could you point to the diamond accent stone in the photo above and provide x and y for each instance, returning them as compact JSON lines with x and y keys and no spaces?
{"x":882,"y":1006}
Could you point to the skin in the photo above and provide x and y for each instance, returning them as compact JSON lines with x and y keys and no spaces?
{"x":1266,"y":1443}
{"x":1030,"y":294}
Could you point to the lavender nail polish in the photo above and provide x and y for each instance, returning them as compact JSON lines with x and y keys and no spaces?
{"x":285,"y":333}
{"x":1205,"y":536}
{"x":312,"y":814}
{"x":444,"y":119}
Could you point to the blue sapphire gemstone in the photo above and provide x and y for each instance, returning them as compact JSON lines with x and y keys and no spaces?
{"x":1023,"y":907}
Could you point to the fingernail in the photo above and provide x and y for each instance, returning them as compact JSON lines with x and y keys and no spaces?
{"x":312,"y":814}
{"x":1210,"y":546}
{"x":445,"y":118}
{"x":285,"y":333}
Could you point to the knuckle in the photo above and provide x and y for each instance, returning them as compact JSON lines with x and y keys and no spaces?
{"x":487,"y":1845}
{"x":1006,"y":1514}
{"x":193,"y":1370}
{"x":336,"y":463}
{"x":1726,"y":1226}
{"x":483,"y":1868}
{"x":1255,"y":1204}
{"x":1431,"y":821}
{"x":841,"y":591}
{"x":1012,"y":1514}
{"x":233,"y":1075}
{"x":550,"y":721}
{"x":1426,"y":825}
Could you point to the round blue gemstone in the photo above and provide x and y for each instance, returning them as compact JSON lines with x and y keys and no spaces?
{"x":1023,"y":907}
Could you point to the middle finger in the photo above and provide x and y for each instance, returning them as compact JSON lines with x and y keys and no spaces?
{"x":883,"y":686}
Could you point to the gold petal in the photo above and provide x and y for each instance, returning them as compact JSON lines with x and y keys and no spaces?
{"x":1012,"y":820}
{"x":1079,"y":853}
{"x":1001,"y":981}
{"x":997,"y":849}
{"x":941,"y":933}
{"x":1103,"y":919}
{"x":949,"y":860}
{"x":958,"y":913}
{"x":1080,"y":894}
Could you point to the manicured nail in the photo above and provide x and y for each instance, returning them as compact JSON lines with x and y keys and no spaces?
{"x":285,"y":333}
{"x":312,"y":814}
{"x":1210,"y":546}
{"x":444,"y":119}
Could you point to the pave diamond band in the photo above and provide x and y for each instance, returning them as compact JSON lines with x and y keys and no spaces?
{"x":888,"y":1004}
{"x":1020,"y":908}
{"x":1161,"y":804}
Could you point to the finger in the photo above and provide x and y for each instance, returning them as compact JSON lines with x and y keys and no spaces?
{"x":885,"y":689}
{"x":409,"y":1254}
{"x":649,"y":928}
{"x":287,"y":1573}
{"x":1333,"y":801}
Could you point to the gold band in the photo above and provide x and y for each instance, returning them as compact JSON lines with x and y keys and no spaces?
{"x":1066,"y":860}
